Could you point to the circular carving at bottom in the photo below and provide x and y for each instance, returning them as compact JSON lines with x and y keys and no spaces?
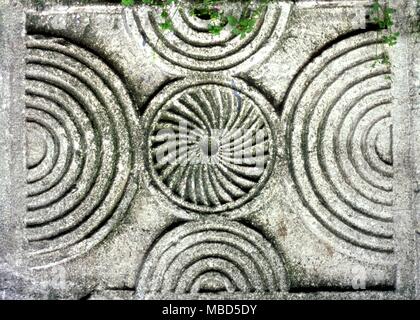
{"x":216,"y":256}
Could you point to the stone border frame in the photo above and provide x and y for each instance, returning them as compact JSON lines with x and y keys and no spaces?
{"x":407,"y":210}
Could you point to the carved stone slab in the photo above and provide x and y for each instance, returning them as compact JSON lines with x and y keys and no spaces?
{"x":138,"y":163}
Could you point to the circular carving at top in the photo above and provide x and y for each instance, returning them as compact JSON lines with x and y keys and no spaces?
{"x":209,"y":145}
{"x":191,"y":46}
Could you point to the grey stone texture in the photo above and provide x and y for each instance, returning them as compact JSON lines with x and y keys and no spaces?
{"x":137,"y":163}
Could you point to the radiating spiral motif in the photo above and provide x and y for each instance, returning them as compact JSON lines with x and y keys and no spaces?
{"x":191,"y":46}
{"x":339,"y":138}
{"x":81,"y":157}
{"x":216,"y":256}
{"x":209,"y":145}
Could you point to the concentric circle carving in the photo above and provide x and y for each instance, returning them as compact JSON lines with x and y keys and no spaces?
{"x":339,"y":138}
{"x":192,"y":47}
{"x":81,"y":154}
{"x":217,"y":256}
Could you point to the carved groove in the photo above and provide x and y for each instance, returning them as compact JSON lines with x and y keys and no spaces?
{"x":213,"y":257}
{"x":191,"y":46}
{"x":339,"y":142}
{"x":82,"y":163}
{"x":210,"y":145}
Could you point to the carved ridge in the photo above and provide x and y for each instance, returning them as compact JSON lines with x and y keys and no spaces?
{"x":74,"y":204}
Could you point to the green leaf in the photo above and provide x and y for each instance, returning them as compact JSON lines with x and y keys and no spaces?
{"x":214,"y":14}
{"x":214,"y":29}
{"x":376,"y":6}
{"x":127,"y":2}
{"x":167,"y":25}
{"x":232,"y":21}
{"x":389,"y":11}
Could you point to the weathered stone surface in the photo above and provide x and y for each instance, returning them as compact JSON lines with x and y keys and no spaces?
{"x":143,"y":164}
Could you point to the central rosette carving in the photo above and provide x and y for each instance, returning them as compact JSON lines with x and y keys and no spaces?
{"x":209,"y":146}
